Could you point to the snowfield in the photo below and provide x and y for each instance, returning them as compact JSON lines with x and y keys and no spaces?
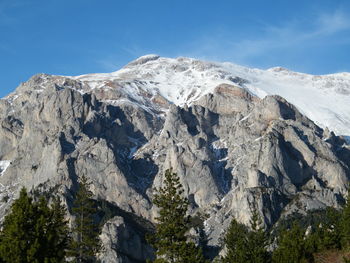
{"x":324,"y":99}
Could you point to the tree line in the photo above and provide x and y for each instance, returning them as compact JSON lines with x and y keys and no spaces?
{"x":292,"y":241}
{"x":36,"y":230}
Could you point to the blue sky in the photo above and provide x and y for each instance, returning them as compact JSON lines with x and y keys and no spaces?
{"x":84,"y":36}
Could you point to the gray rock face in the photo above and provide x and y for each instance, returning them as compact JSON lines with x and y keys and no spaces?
{"x":122,"y":244}
{"x":231,"y":150}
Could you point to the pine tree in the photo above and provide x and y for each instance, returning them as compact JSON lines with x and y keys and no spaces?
{"x":345,"y":225}
{"x":235,"y":242}
{"x":85,"y":243}
{"x":327,"y":235}
{"x":58,"y":238}
{"x":292,"y":247}
{"x":31,"y":231}
{"x":170,"y":240}
{"x":257,"y":241}
{"x":244,"y":246}
{"x":17,"y":240}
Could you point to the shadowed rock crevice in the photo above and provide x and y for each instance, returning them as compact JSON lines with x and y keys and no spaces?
{"x":295,"y":165}
{"x":123,"y":234}
{"x":67,"y":147}
{"x":218,"y":166}
{"x":144,"y":170}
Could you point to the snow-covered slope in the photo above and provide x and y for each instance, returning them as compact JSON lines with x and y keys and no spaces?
{"x":324,"y":99}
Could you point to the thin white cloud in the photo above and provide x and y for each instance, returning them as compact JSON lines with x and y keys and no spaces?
{"x":333,"y":23}
{"x":315,"y":31}
{"x":110,"y":63}
{"x":134,"y":50}
{"x":223,"y":45}
{"x":107,"y":64}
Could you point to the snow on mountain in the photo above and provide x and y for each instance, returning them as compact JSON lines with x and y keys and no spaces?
{"x":325,"y":99}
{"x":152,"y":82}
{"x":3,"y":166}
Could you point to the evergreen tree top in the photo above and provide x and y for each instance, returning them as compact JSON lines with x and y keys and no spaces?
{"x":170,"y":240}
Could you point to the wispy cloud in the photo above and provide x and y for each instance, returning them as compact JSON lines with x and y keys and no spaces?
{"x":295,"y":34}
{"x":134,"y":50}
{"x":333,"y":23}
{"x":109,"y":64}
{"x":269,"y":45}
{"x":126,"y":53}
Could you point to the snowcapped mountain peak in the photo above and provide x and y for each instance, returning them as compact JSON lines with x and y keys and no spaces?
{"x":324,"y":99}
{"x":278,"y":69}
{"x":144,"y":59}
{"x":154,"y":81}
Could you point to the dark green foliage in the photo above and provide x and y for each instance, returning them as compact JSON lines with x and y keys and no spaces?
{"x":34,"y":232}
{"x":292,"y":247}
{"x":59,"y":238}
{"x":327,"y":229}
{"x":257,"y":241}
{"x":312,"y":218}
{"x":85,"y":243}
{"x":170,"y":241}
{"x":235,"y":241}
{"x":327,"y":234}
{"x":345,"y":225}
{"x":324,"y":231}
{"x":244,"y":246}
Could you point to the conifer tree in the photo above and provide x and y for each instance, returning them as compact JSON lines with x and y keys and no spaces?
{"x":58,"y":238}
{"x":170,"y":241}
{"x":85,"y":243}
{"x":257,"y":241}
{"x":292,"y":247}
{"x":244,"y":246}
{"x":33,"y":232}
{"x":345,"y":225}
{"x":17,"y":240}
{"x":328,"y":233}
{"x":235,"y":241}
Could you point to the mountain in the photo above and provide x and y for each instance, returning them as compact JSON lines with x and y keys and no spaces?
{"x":237,"y":137}
{"x":324,"y":99}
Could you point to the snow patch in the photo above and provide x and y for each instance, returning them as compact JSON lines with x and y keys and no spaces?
{"x":244,"y":118}
{"x":258,"y":139}
{"x":3,"y":166}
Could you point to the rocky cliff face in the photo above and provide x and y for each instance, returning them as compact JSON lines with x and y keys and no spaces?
{"x":232,"y":150}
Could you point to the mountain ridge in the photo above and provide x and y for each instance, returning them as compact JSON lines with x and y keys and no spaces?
{"x":323,"y":98}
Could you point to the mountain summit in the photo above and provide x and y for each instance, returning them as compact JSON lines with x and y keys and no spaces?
{"x":324,"y":99}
